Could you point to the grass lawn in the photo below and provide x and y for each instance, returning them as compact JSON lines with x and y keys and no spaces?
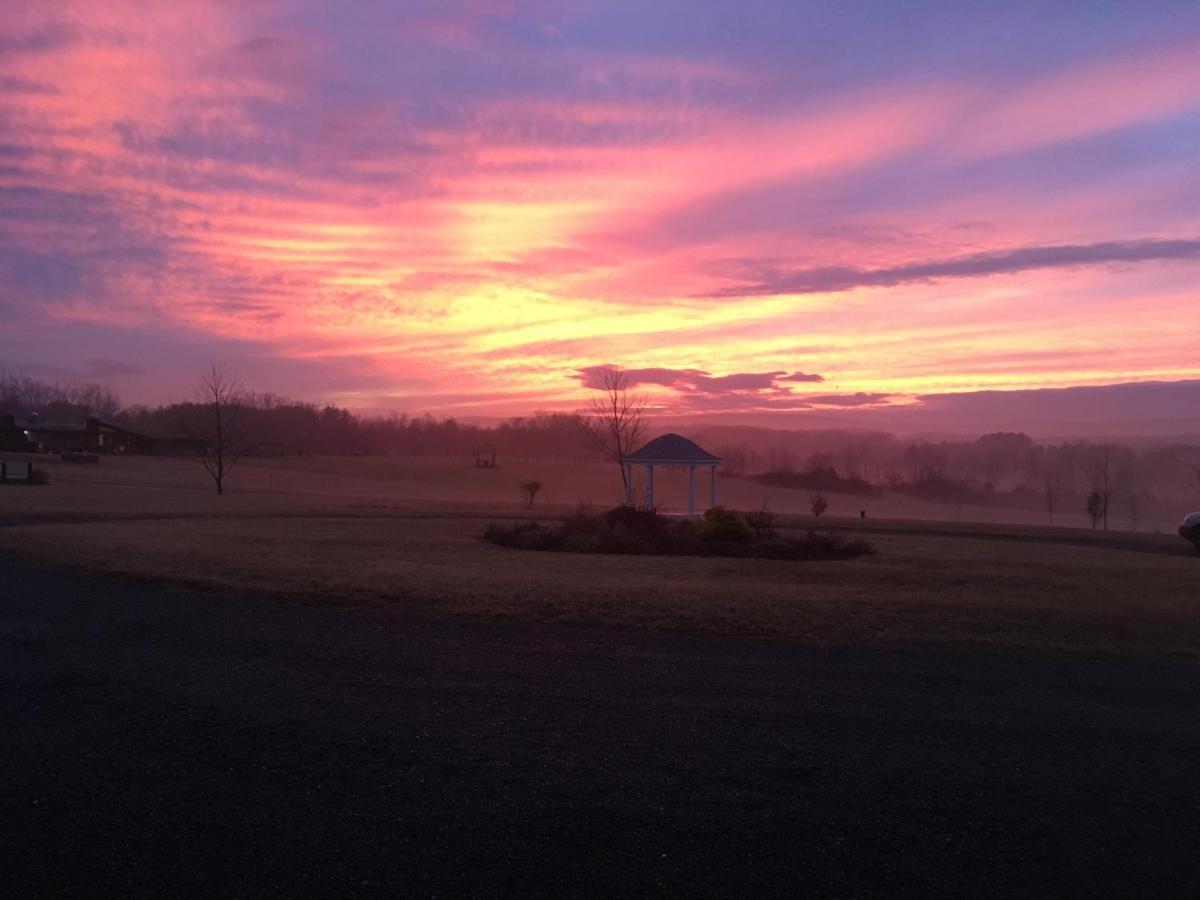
{"x":1004,"y":593}
{"x":996,"y":586}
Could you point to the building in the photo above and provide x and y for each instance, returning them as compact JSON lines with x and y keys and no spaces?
{"x":93,"y":436}
{"x":13,"y":438}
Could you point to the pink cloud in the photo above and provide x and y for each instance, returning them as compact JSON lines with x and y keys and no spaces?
{"x":233,"y":172}
{"x":1149,"y":83}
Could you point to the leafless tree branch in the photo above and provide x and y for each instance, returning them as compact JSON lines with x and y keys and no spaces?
{"x":219,"y":416}
{"x":617,"y":421}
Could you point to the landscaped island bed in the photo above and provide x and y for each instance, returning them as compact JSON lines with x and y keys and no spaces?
{"x":642,"y":532}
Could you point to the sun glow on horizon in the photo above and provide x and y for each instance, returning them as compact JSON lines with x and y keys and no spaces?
{"x":363,"y":213}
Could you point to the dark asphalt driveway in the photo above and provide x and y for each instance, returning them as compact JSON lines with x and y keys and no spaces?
{"x":163,"y":743}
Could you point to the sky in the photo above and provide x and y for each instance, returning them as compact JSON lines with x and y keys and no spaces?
{"x":470,"y":208}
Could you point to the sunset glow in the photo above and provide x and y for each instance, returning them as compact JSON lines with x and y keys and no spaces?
{"x":463,"y":207}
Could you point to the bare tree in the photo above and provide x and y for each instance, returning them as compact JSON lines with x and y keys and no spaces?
{"x":817,"y":504}
{"x":733,"y":460}
{"x":530,"y":490}
{"x":1050,"y":494}
{"x":1048,"y":468}
{"x":218,"y":417}
{"x":23,"y":396}
{"x":926,"y":462}
{"x":1135,"y":509}
{"x":1131,"y":475}
{"x":618,"y":418}
{"x":1107,"y":478}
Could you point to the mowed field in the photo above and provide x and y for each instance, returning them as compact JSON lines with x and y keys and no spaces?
{"x":406,"y":534}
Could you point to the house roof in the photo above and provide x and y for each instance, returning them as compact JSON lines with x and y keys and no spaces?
{"x":52,"y":427}
{"x":156,"y":434}
{"x":672,"y":449}
{"x":159,"y":434}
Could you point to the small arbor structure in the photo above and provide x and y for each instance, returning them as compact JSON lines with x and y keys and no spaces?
{"x":485,"y":456}
{"x":671,"y":450}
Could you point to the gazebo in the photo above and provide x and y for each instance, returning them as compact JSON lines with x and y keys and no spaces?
{"x":485,"y":456}
{"x":670,"y":450}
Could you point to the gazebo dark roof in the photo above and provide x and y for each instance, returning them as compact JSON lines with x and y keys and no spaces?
{"x":672,"y":448}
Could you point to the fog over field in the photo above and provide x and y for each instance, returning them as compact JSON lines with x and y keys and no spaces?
{"x":408,"y":533}
{"x":1148,"y":482}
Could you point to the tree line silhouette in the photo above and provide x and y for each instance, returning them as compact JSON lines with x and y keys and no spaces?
{"x":281,"y":426}
{"x":1106,"y":479}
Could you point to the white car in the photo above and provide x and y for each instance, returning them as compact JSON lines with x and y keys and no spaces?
{"x":1190,"y":529}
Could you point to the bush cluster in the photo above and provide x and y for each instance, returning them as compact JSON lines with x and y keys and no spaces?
{"x":628,"y":530}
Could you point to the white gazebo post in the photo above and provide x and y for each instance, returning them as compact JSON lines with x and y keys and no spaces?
{"x":675,"y":451}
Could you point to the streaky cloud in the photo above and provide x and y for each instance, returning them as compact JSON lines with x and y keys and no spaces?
{"x":860,"y":398}
{"x":380,"y":203}
{"x":698,"y":381}
{"x":836,"y":279}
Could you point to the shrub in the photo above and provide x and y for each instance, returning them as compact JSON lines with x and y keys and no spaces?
{"x":724,"y":524}
{"x":818,"y":504}
{"x":625,"y":530}
{"x":530,"y":490}
{"x":762,"y":520}
{"x":631,"y":519}
{"x":524,"y":536}
{"x":583,"y":520}
{"x":629,"y":544}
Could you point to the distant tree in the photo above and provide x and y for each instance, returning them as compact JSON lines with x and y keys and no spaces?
{"x":1131,"y":483}
{"x":959,"y":493}
{"x":926,"y":462}
{"x":1134,"y":507}
{"x":818,"y":504}
{"x":1049,"y":494}
{"x":618,"y":418}
{"x":999,"y":453}
{"x":99,"y":400}
{"x":851,"y":463}
{"x":64,"y":402}
{"x":1107,"y":478}
{"x":1095,"y":508}
{"x":530,"y":490}
{"x":779,"y":459}
{"x":819,"y":460}
{"x":220,"y":419}
{"x":733,"y":460}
